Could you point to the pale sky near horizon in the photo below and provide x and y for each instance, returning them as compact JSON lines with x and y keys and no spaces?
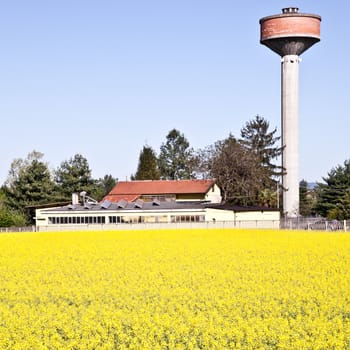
{"x":102,"y":78}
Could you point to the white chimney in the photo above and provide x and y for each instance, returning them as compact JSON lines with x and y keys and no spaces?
{"x":75,"y":198}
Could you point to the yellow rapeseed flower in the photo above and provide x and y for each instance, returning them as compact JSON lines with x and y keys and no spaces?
{"x":168,"y":289}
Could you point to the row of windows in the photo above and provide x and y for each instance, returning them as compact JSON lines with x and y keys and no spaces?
{"x":77,"y":220}
{"x":137,"y":219}
{"x":187,"y":218}
{"x":123,"y":219}
{"x":161,"y":198}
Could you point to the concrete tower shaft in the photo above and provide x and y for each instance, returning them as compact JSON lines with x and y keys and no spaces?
{"x":289,"y":34}
{"x":290,"y":134}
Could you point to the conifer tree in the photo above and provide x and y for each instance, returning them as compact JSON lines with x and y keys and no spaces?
{"x":147,"y":168}
{"x":255,"y":135}
{"x":29,"y":183}
{"x":333,"y":199}
{"x":74,"y":176}
{"x":176,"y":157}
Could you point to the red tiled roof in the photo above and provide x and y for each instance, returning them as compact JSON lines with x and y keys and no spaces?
{"x":124,"y":189}
{"x":117,"y":198}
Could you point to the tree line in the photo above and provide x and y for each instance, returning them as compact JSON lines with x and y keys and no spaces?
{"x":245,"y":168}
{"x":30,"y":183}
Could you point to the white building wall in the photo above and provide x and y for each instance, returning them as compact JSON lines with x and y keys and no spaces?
{"x":230,"y":215}
{"x":255,"y":219}
{"x":165,"y":216}
{"x":214,"y":194}
{"x":257,"y":215}
{"x":248,"y":219}
{"x":219,"y":215}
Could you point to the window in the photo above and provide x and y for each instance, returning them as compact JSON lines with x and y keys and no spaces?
{"x":162,"y":219}
{"x":114,"y":219}
{"x":150,"y":219}
{"x":100,"y":219}
{"x":187,"y":218}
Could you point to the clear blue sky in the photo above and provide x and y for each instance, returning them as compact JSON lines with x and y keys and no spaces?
{"x":102,"y":78}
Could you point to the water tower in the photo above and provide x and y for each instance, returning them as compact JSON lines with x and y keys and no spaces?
{"x":289,"y":34}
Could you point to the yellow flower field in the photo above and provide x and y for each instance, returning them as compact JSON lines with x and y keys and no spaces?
{"x":186,"y":289}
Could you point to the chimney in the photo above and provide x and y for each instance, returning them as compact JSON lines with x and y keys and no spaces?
{"x":75,"y":198}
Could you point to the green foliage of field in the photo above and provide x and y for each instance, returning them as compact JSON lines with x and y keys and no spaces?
{"x":185,"y":289}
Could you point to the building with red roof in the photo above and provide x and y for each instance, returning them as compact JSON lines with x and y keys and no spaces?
{"x":166,"y":190}
{"x":155,"y":204}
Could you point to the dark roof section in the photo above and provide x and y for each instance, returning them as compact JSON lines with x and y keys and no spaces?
{"x":130,"y":206}
{"x":238,"y":208}
{"x":172,"y":205}
{"x":47,"y":205}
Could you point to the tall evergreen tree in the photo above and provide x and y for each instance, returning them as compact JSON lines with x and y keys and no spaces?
{"x":342,"y":210}
{"x":175,"y":160}
{"x":332,"y":195}
{"x":257,"y":137}
{"x":147,"y":168}
{"x":29,"y":183}
{"x":74,"y":176}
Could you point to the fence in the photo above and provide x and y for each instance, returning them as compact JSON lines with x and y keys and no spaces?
{"x":319,"y":224}
{"x":17,"y":229}
{"x":254,"y":224}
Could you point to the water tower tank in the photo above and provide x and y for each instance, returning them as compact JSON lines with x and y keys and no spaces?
{"x":291,"y":32}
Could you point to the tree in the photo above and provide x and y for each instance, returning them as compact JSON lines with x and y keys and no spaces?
{"x":147,"y":168}
{"x":268,"y":198}
{"x":176,"y":157}
{"x":8,"y":216}
{"x":11,"y":218}
{"x":333,"y":194}
{"x":29,"y":183}
{"x":237,"y":170}
{"x":103,"y":186}
{"x":257,"y":137}
{"x":342,"y":209}
{"x":18,"y":165}
{"x":74,"y":176}
{"x":306,"y":199}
